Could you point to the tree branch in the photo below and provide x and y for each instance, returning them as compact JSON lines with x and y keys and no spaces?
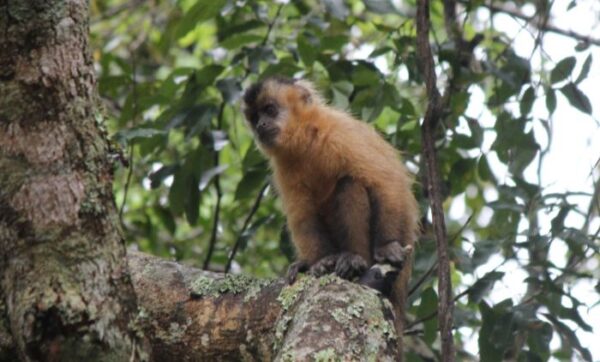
{"x":432,"y":117}
{"x":192,"y":315}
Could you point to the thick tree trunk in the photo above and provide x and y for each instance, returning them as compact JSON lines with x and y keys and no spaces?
{"x":66,"y":293}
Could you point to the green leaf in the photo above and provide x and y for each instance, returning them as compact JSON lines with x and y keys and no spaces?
{"x":200,"y":12}
{"x":558,"y":222}
{"x":166,"y":218}
{"x":381,"y":51}
{"x":238,"y":40}
{"x":483,"y":170}
{"x":337,"y":8}
{"x":496,"y":333}
{"x":136,"y":133}
{"x":569,"y":336}
{"x":285,"y":67}
{"x":538,"y":339}
{"x":341,"y":92}
{"x":550,"y":100}
{"x":333,"y":42}
{"x":192,"y":201}
{"x":250,"y":184}
{"x":209,"y":175}
{"x":226,"y":29}
{"x":573,"y":314}
{"x":253,"y":159}
{"x":249,"y":233}
{"x":157,"y":177}
{"x":577,"y":98}
{"x":365,"y":74}
{"x":230,"y":88}
{"x":487,"y":350}
{"x":562,"y":70}
{"x":306,"y":50}
{"x":527,"y":101}
{"x":585,"y":69}
{"x":380,"y":6}
{"x":427,"y":308}
{"x":178,"y":191}
{"x":483,"y":286}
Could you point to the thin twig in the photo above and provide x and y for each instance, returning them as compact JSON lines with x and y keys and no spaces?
{"x":455,"y":299}
{"x":245,"y":226}
{"x":272,"y":24}
{"x":542,"y":25}
{"x":217,"y":183}
{"x":127,"y":182}
{"x":131,"y":144}
{"x":432,"y":118}
{"x":433,"y":267}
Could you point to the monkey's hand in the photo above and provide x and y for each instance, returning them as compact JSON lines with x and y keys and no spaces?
{"x":296,"y":267}
{"x":345,"y":265}
{"x":392,"y":253}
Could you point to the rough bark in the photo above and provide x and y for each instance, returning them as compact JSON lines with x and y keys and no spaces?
{"x":192,"y":315}
{"x":65,"y":290}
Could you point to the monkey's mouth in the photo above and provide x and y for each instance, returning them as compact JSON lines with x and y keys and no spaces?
{"x":267,"y":136}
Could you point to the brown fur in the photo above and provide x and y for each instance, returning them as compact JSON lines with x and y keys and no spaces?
{"x":343,"y":187}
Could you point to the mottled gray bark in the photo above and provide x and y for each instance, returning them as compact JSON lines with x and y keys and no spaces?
{"x":66,"y":293}
{"x":193,"y":315}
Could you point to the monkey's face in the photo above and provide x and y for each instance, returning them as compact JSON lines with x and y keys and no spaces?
{"x":267,"y":109}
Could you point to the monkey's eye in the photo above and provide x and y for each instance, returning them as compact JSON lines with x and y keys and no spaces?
{"x":270,"y":110}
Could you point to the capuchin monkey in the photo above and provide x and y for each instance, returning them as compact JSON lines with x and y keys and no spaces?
{"x":345,"y":191}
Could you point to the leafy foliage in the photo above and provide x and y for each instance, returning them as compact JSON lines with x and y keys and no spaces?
{"x":171,"y":74}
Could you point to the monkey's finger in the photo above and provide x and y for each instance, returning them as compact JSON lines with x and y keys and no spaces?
{"x":295,"y":268}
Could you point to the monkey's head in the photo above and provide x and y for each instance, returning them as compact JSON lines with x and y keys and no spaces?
{"x":274,"y":106}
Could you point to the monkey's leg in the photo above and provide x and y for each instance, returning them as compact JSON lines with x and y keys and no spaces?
{"x":393,"y":232}
{"x":393,"y":235}
{"x":309,"y":236}
{"x":347,"y":220}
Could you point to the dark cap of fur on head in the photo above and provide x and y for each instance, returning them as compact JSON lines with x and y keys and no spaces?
{"x":252,"y":93}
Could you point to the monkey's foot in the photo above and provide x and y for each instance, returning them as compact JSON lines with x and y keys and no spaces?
{"x":349,"y":265}
{"x":346,"y":265}
{"x":393,"y":253}
{"x":324,"y":266}
{"x":296,"y":267}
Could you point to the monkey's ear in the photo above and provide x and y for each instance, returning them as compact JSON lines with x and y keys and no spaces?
{"x":304,"y":94}
{"x":307,"y":91}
